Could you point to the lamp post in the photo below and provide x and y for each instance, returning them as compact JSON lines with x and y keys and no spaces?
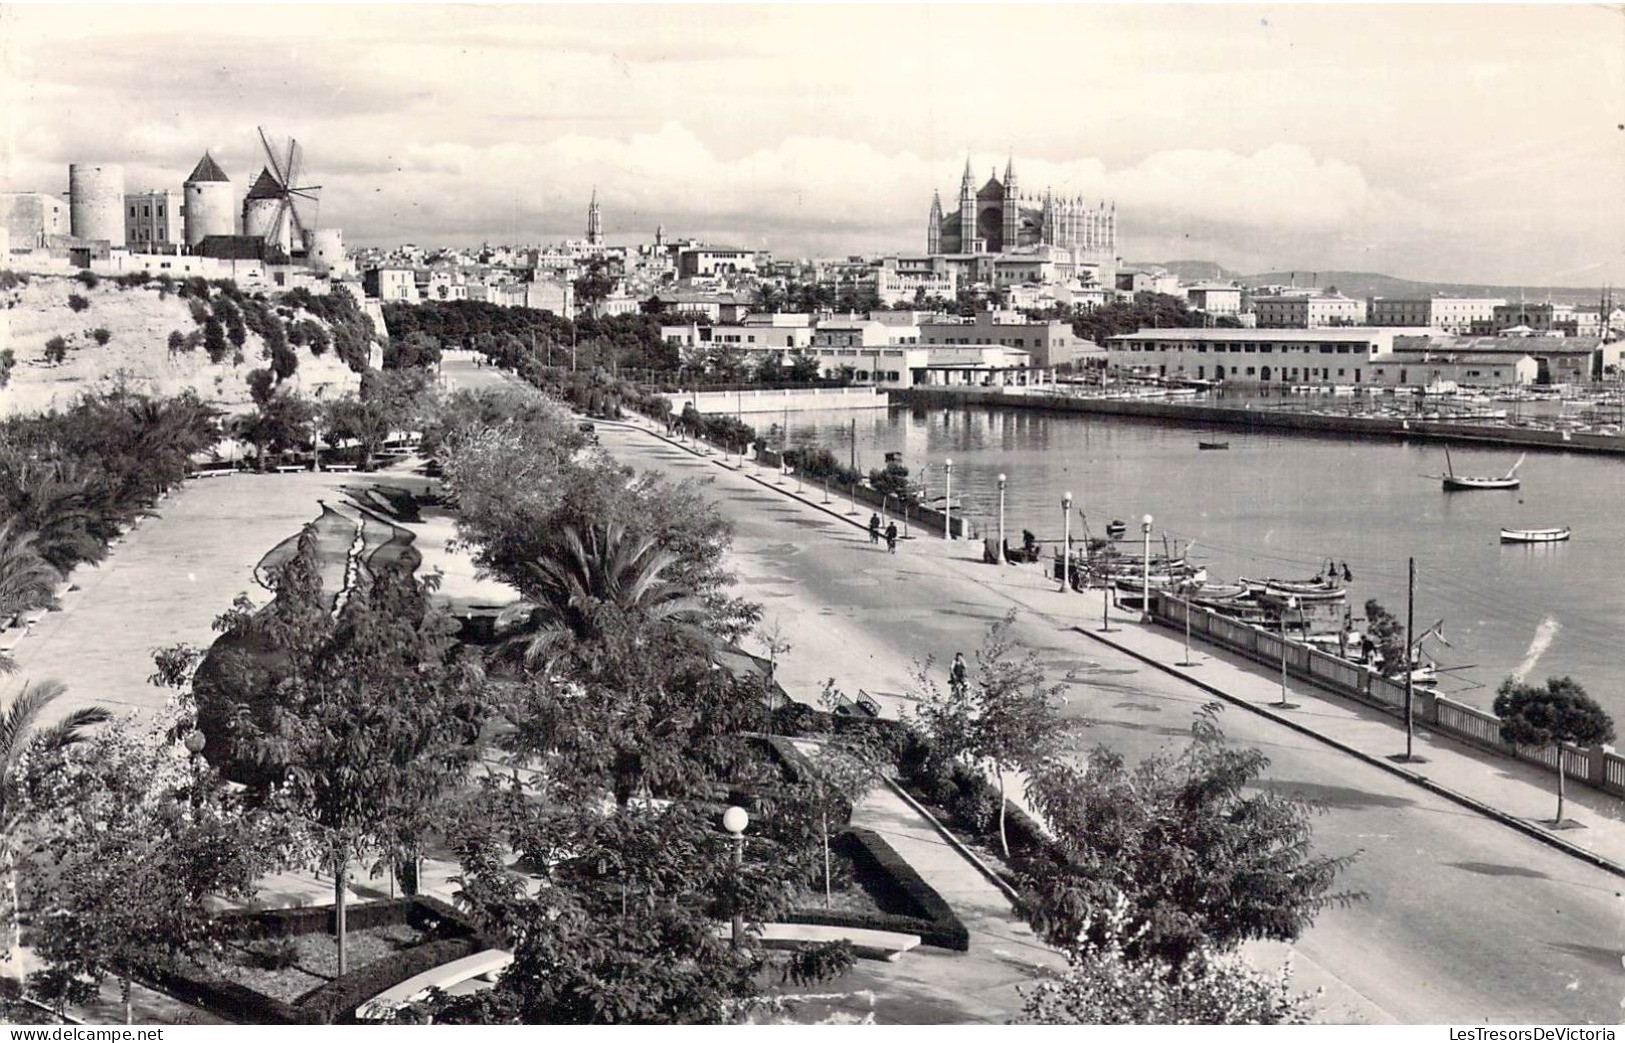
{"x":1002,"y":481}
{"x":948,"y":499}
{"x":1145,"y":569}
{"x":1066,"y":542}
{"x":1290,"y":606}
{"x":734,"y":820}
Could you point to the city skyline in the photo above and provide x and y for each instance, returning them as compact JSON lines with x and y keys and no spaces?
{"x":1414,"y":141}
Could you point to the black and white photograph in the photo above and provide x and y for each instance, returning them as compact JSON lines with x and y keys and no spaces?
{"x":812,"y":514}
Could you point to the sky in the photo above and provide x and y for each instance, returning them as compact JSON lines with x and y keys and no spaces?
{"x":1451,"y":143}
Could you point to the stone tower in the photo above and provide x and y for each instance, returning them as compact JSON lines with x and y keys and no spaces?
{"x":96,"y":201}
{"x":967,"y":212}
{"x":1012,"y":207}
{"x":933,"y":228}
{"x":211,"y":208}
{"x":595,"y":222}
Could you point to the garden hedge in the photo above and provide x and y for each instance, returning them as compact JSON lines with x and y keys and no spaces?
{"x":911,"y":905}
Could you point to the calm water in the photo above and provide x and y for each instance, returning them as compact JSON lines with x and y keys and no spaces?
{"x":1277,"y":505}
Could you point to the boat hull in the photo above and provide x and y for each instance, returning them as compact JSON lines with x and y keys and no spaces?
{"x":1535,"y":535}
{"x":1458,"y":483}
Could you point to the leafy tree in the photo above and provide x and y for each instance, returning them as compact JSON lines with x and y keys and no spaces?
{"x":413,"y":351}
{"x":1546,"y":716}
{"x":214,"y":340}
{"x":368,"y":710}
{"x":846,"y":769}
{"x":280,"y":421}
{"x":177,"y":343}
{"x":232,"y":317}
{"x":1104,"y":985}
{"x":56,"y":351}
{"x":24,"y":745}
{"x":132,"y":835}
{"x":592,"y":288}
{"x":1199,"y":853}
{"x":1006,"y":716}
{"x":77,"y":302}
{"x":804,"y":367}
{"x":1387,"y":637}
{"x":892,"y":481}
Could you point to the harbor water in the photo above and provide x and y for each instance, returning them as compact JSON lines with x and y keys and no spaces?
{"x":1278,"y":505}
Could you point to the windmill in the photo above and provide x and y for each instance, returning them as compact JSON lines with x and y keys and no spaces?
{"x":271,"y":208}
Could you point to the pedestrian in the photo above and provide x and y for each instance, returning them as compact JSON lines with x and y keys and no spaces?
{"x":1348,"y":576}
{"x":957,"y":673}
{"x":891,"y":538}
{"x":874,"y":528}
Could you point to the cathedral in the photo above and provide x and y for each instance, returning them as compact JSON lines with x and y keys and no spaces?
{"x":998,"y":219}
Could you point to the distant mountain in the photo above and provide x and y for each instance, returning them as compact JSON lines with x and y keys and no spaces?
{"x":1374,"y":284}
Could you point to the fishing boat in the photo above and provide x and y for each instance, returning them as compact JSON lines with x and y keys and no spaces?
{"x":1303,"y":590}
{"x":1535,"y":535}
{"x":1213,"y":445}
{"x":1454,"y":482}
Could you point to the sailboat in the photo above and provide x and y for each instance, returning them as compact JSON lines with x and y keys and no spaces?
{"x":1453,"y":481}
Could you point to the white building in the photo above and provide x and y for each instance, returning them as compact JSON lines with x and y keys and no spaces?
{"x":1318,"y":356}
{"x":1460,"y":315}
{"x":1308,"y":311}
{"x":391,"y":284}
{"x":1214,"y":300}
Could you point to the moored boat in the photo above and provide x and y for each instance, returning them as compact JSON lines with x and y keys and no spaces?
{"x":1453,"y":481}
{"x":1213,"y":445}
{"x":1556,"y":535}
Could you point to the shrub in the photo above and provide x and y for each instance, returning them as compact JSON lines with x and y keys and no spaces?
{"x":77,"y":302}
{"x":7,"y":360}
{"x":101,"y":335}
{"x":976,"y":808}
{"x":178,"y":342}
{"x":274,"y":954}
{"x":87,"y":278}
{"x":129,"y":279}
{"x":166,"y":285}
{"x":56,"y":350}
{"x":200,"y":310}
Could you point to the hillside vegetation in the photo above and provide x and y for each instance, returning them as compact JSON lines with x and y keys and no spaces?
{"x":72,"y":335}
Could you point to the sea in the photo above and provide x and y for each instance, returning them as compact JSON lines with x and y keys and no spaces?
{"x":1284,"y":505}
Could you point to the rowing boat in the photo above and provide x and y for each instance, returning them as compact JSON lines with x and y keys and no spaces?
{"x":1535,"y":535}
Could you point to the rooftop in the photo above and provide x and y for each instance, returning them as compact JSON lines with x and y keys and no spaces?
{"x":207,"y":170}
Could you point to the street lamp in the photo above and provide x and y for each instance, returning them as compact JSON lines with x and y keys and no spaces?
{"x":948,"y":499}
{"x":195,"y":741}
{"x":1145,"y":570}
{"x":734,"y":820}
{"x":1290,"y":606}
{"x":1002,"y":481}
{"x":1066,"y":541}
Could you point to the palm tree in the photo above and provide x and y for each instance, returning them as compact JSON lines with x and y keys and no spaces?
{"x":26,"y":579}
{"x":20,"y":733}
{"x":576,"y":579}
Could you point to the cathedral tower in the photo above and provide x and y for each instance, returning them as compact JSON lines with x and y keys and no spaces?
{"x":933,"y":229}
{"x":1012,"y":207}
{"x":967,"y":212}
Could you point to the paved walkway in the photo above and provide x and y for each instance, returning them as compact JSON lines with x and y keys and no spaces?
{"x":1462,"y":918}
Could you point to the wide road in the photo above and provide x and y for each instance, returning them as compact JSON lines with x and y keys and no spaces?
{"x":1462,"y":919}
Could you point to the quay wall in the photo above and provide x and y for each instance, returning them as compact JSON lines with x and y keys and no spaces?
{"x":1245,"y":419}
{"x":1599,"y":766}
{"x":778,"y":400}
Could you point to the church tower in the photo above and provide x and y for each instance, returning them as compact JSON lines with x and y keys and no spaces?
{"x":933,"y":230}
{"x":1012,"y":209}
{"x":967,"y":212}
{"x":595,"y":221}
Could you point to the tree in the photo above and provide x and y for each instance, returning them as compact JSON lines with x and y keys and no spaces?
{"x":27,"y":580}
{"x":101,"y":335}
{"x":1200,"y":854}
{"x":413,"y":351}
{"x":368,"y":710}
{"x":1548,"y":716}
{"x":592,"y":288}
{"x":1387,"y":636}
{"x":804,"y":366}
{"x":23,"y":744}
{"x":132,"y":834}
{"x":77,"y":302}
{"x":580,"y":585}
{"x":892,"y":481}
{"x":1103,"y":985}
{"x":1006,"y":716}
{"x":56,"y":351}
{"x":280,"y":421}
{"x":214,"y":340}
{"x":846,"y":768}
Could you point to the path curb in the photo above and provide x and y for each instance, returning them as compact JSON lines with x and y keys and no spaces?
{"x":1470,"y":803}
{"x":954,"y":842}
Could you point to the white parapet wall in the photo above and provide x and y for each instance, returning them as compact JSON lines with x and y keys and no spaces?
{"x":778,"y":401}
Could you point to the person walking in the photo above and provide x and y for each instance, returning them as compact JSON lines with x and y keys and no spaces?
{"x":874,"y":528}
{"x":957,"y":674}
{"x":891,"y":538}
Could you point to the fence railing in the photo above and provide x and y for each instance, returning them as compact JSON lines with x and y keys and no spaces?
{"x":1600,"y":766}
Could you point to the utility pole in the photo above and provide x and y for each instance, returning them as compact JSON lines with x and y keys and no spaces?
{"x":1410,"y":691}
{"x":854,"y":445}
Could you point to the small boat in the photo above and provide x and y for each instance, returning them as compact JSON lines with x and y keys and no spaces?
{"x":1213,"y":445}
{"x":1453,"y":481}
{"x":1535,"y":535}
{"x":1303,"y":590}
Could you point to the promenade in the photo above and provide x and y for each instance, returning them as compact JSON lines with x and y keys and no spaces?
{"x":1463,"y":917}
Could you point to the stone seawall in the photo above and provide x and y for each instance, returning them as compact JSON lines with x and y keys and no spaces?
{"x":1245,"y":419}
{"x":777,"y":401}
